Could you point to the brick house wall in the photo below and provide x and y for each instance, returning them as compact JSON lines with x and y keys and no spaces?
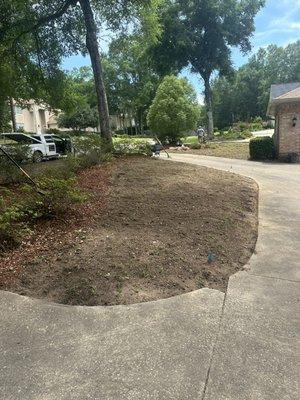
{"x":287,"y":136}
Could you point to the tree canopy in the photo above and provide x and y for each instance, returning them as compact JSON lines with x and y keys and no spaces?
{"x":200,"y":34}
{"x":245,"y":94}
{"x":36,"y":36}
{"x":82,"y":118}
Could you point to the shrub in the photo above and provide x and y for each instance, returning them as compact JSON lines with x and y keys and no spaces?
{"x":131,"y":146}
{"x":91,"y":150}
{"x":60,"y":195}
{"x":262,"y":148}
{"x":61,"y":169}
{"x":10,"y":231}
{"x":257,"y":124}
{"x":174,"y":109}
{"x":9,"y":173}
{"x":242,"y":126}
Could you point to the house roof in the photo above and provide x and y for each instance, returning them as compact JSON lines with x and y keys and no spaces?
{"x":283,"y":93}
{"x":293,"y":94}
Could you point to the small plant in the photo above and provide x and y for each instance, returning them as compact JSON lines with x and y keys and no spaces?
{"x":257,"y":124}
{"x":16,"y":218}
{"x":262,"y":148}
{"x":60,"y":195}
{"x":11,"y":230}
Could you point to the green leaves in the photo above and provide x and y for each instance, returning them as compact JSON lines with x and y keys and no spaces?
{"x":80,"y":119}
{"x":245,"y":95}
{"x":174,"y":109}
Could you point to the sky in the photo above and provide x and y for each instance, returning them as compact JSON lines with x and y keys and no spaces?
{"x":277,"y":23}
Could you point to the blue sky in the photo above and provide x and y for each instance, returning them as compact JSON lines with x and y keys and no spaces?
{"x":277,"y":23}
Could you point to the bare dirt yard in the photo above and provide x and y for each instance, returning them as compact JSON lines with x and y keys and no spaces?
{"x":150,"y":229}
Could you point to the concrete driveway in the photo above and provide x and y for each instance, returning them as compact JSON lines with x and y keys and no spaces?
{"x":202,"y":345}
{"x":264,"y":132}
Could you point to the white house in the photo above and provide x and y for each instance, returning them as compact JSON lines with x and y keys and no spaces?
{"x":37,"y":118}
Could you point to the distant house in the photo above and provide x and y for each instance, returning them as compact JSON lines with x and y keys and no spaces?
{"x":32,"y":117}
{"x":37,"y":118}
{"x":284,"y":105}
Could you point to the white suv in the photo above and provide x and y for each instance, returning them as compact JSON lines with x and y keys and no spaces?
{"x":40,"y":146}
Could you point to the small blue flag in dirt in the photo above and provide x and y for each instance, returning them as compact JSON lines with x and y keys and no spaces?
{"x":211,"y":257}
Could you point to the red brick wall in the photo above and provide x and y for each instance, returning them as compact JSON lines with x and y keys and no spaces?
{"x":288,"y":136}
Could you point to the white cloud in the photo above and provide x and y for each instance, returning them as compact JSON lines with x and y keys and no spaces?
{"x":295,"y":25}
{"x":288,"y":20}
{"x":270,"y":32}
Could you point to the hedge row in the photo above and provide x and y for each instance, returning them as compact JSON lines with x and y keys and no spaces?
{"x":262,"y":148}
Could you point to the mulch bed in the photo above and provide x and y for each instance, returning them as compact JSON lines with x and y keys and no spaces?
{"x":150,"y":229}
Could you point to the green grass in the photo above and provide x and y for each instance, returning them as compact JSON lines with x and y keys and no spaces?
{"x":188,"y":140}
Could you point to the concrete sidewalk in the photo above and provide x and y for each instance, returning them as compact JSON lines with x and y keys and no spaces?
{"x":202,"y":345}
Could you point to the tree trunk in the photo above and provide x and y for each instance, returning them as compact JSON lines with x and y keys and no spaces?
{"x":13,"y":115}
{"x":92,"y":46}
{"x":2,"y":114}
{"x":131,"y":133}
{"x":141,"y":121}
{"x":209,"y":110}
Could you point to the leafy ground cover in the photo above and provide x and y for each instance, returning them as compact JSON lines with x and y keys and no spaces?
{"x":148,"y":230}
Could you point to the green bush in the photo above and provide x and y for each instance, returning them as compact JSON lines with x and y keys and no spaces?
{"x":11,"y":229}
{"x":132,"y":146}
{"x":262,"y":148}
{"x":257,"y":124}
{"x":60,"y":195}
{"x":242,"y":126}
{"x":64,"y":168}
{"x":174,"y":110}
{"x":91,"y":150}
{"x":9,"y":173}
{"x":15,"y":219}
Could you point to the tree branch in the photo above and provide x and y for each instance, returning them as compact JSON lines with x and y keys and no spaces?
{"x":41,"y":21}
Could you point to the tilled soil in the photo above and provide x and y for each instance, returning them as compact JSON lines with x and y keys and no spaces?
{"x":151,"y":229}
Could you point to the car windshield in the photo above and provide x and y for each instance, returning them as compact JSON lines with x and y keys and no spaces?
{"x":37,"y":137}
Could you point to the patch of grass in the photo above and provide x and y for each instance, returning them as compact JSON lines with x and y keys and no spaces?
{"x":190,"y":140}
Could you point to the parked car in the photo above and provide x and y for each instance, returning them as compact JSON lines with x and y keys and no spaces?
{"x":41,"y":147}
